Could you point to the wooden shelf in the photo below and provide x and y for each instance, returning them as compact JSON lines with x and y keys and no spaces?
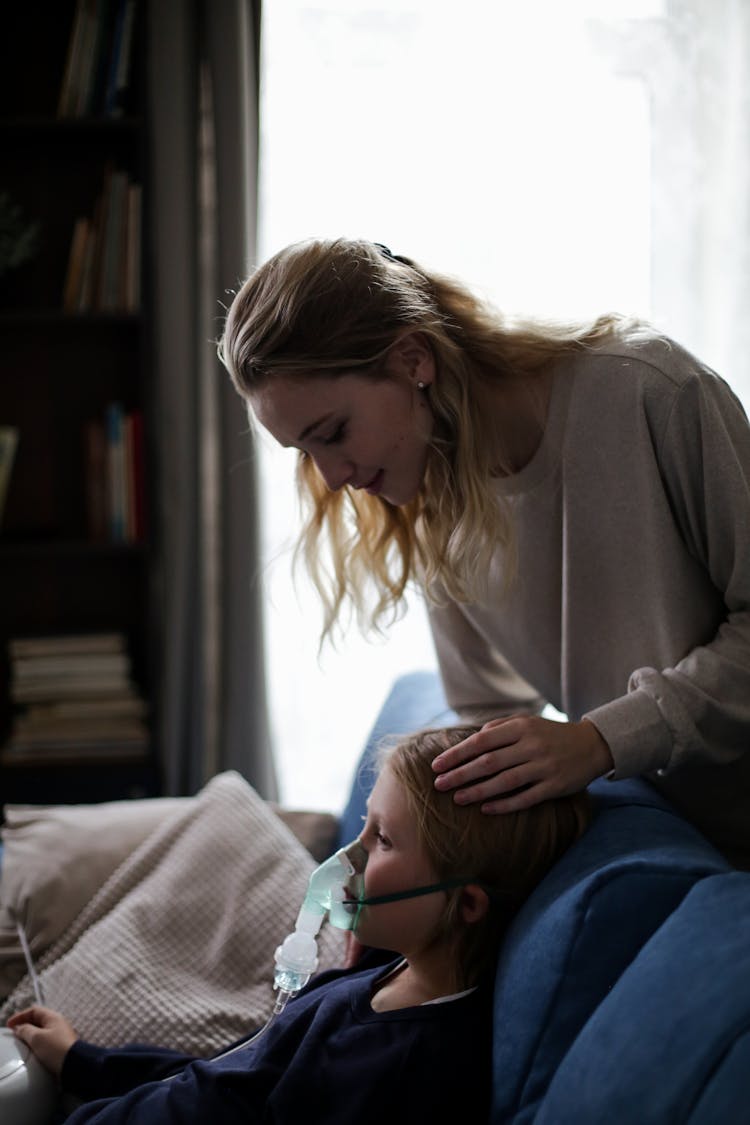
{"x":73,"y":381}
{"x":71,"y":126}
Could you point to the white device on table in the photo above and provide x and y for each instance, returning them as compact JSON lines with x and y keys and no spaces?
{"x":28,"y":1092}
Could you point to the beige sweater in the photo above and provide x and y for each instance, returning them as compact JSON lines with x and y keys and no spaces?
{"x":632,"y":605}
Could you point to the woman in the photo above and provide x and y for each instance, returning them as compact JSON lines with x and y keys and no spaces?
{"x":574,"y":503}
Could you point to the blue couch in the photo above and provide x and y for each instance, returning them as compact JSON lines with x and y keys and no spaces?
{"x":622,"y":992}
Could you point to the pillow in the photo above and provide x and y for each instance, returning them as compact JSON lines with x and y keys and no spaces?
{"x":55,"y":859}
{"x":177,"y":946}
{"x":58,"y":856}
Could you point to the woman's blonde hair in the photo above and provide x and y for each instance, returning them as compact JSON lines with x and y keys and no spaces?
{"x":332,"y":307}
{"x":509,"y":853}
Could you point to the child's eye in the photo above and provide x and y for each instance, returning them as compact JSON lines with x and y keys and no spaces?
{"x":383,"y":840}
{"x":338,"y":435}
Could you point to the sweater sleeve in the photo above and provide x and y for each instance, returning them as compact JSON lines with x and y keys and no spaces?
{"x":698,"y":710}
{"x":97,"y":1072}
{"x":232,"y":1092}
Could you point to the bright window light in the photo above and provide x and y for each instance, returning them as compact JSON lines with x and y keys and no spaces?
{"x":497,"y":141}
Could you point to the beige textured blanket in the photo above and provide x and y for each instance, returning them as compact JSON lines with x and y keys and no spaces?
{"x":176,"y":948}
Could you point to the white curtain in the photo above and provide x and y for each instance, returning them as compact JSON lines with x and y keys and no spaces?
{"x":210,"y":671}
{"x":694,"y":61}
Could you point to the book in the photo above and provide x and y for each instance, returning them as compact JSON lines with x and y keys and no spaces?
{"x":95,"y":454}
{"x":8,"y":446}
{"x":72,"y":664}
{"x":132,"y":707}
{"x":103,"y":55}
{"x":84,"y":74}
{"x":121,"y":62}
{"x":51,"y":753}
{"x":139,"y":477}
{"x":129,"y":483}
{"x":62,"y":731}
{"x":109,"y":295}
{"x":101,"y":220}
{"x":62,"y":687}
{"x":67,"y":98}
{"x":18,"y":647}
{"x":76,"y":258}
{"x":132,"y":254}
{"x":44,"y":714}
{"x":88,"y":272}
{"x":117,"y":502}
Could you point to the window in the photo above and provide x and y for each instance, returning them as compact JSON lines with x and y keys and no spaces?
{"x":514,"y":145}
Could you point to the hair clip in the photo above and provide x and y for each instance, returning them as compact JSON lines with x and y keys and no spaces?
{"x":388,"y":253}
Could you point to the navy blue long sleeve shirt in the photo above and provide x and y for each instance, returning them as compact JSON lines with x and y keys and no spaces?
{"x":327,"y":1058}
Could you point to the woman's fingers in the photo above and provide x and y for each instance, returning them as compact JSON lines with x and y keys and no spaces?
{"x":518,"y":762}
{"x":492,"y":736}
{"x":505,"y":781}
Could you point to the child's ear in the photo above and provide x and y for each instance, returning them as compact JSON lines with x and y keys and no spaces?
{"x":474,"y":903}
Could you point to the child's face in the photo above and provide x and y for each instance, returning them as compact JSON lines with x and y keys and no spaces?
{"x":396,"y":861}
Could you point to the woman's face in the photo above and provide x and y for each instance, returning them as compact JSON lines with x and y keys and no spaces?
{"x":365,"y":432}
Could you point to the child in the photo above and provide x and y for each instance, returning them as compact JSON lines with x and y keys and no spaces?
{"x":406,"y":1042}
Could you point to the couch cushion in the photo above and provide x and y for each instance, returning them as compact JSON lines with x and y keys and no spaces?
{"x":671,"y":1042}
{"x":581,"y":929}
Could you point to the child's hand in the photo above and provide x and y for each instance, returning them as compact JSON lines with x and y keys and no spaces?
{"x":49,"y":1035}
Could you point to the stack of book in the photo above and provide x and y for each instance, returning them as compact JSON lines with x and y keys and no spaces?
{"x":104,"y":261}
{"x":115,"y":476}
{"x":76,"y":700}
{"x":96,"y":78}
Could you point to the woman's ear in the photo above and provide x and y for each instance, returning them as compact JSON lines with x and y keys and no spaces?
{"x":411,"y":356}
{"x":474,"y":903}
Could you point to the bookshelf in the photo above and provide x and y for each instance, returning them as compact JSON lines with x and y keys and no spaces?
{"x":77,"y":551}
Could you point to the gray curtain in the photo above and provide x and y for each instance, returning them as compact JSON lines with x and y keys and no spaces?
{"x":210,"y":669}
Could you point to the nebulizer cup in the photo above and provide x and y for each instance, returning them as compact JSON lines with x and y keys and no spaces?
{"x":335,"y":889}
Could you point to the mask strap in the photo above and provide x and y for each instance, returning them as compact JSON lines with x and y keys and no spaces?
{"x":431,"y":888}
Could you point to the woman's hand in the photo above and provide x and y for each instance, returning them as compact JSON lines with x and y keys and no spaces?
{"x":514,"y":763}
{"x":49,"y":1035}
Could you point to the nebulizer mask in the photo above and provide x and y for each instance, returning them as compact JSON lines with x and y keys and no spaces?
{"x":336,"y":889}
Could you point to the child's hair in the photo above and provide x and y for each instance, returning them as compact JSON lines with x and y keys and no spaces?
{"x":508,"y":852}
{"x":333,"y":307}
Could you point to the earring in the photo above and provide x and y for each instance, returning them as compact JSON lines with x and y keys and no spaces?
{"x":421,"y":386}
